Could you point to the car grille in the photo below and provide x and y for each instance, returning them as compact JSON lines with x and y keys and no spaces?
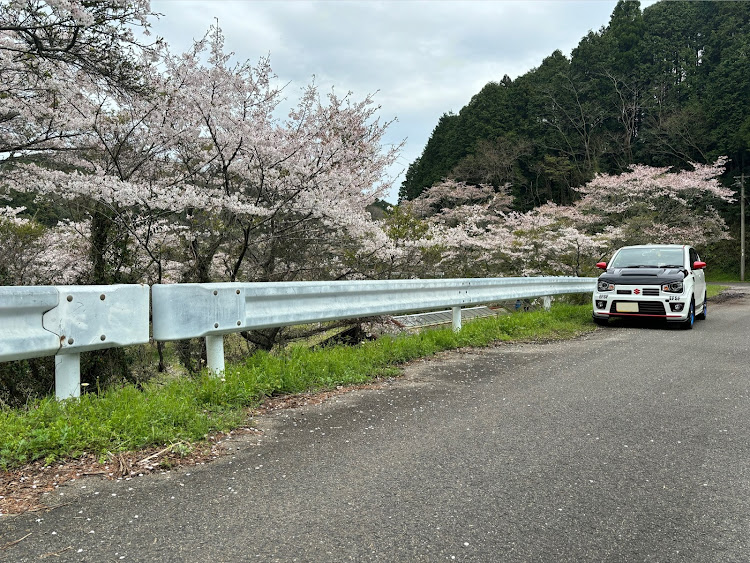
{"x":649,"y":291}
{"x":644,"y":308}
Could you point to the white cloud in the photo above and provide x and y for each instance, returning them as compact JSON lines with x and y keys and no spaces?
{"x":424,"y":58}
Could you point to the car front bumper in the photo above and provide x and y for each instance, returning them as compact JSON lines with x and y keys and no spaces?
{"x":641,"y":302}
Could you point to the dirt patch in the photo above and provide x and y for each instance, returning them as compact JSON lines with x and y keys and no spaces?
{"x":728,"y":295}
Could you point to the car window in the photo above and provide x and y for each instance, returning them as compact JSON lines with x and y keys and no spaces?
{"x":648,"y":258}
{"x":694,"y":257}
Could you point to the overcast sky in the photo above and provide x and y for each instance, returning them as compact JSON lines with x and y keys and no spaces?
{"x":420,"y":58}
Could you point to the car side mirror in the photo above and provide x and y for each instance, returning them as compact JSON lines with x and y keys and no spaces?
{"x":699,"y":265}
{"x":601,"y":265}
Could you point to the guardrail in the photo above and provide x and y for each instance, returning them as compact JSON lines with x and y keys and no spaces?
{"x":63,"y":321}
{"x":66,"y":320}
{"x":212,"y":310}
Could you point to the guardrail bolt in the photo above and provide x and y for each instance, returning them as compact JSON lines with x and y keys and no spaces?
{"x":102,"y":297}
{"x":103,"y":337}
{"x":239,"y":323}
{"x":216,"y":292}
{"x":238,"y":292}
{"x":70,"y":298}
{"x":216,"y":325}
{"x":70,"y":341}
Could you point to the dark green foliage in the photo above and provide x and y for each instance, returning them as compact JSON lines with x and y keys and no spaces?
{"x":111,"y":256}
{"x":191,"y":353}
{"x":439,"y":156}
{"x":102,"y":368}
{"x":26,"y":380}
{"x":664,"y":86}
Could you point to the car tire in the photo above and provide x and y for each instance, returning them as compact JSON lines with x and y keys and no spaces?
{"x":601,"y":322}
{"x":688,"y":323}
{"x":704,"y":313}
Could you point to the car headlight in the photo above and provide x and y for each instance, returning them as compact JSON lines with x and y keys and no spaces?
{"x":604,"y":285}
{"x":674,"y":287}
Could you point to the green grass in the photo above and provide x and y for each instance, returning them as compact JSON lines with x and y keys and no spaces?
{"x":714,"y":290}
{"x":188,"y":409}
{"x":725,"y":277}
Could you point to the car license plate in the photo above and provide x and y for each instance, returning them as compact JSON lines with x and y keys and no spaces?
{"x":627,"y":307}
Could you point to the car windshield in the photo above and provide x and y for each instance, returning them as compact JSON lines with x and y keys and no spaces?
{"x":648,"y":258}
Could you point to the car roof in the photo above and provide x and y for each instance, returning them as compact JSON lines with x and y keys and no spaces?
{"x":656,"y":246}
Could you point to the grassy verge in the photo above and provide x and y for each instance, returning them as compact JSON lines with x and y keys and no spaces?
{"x":187,"y":409}
{"x":714,"y":290}
{"x":721,"y":277}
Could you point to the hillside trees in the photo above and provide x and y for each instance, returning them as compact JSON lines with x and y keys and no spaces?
{"x":479,"y":234}
{"x":727,"y":89}
{"x":569,"y":117}
{"x":666,"y":86}
{"x":440,"y":155}
{"x":675,"y":124}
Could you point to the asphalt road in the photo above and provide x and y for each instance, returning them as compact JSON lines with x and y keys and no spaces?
{"x":631,"y":444}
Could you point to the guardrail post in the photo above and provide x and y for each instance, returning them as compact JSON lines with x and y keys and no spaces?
{"x":215,"y":354}
{"x":547,"y":301}
{"x":67,"y":376}
{"x":456,"y":318}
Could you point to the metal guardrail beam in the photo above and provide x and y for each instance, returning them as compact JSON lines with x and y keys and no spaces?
{"x":67,"y":320}
{"x":185,"y":311}
{"x":21,"y":313}
{"x":188,"y":310}
{"x":94,"y":317}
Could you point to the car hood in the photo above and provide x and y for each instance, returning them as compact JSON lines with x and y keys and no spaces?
{"x":643,"y":276}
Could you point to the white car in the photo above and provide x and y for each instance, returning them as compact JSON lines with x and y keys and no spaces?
{"x":663,"y":281}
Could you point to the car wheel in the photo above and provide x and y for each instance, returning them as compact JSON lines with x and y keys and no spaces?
{"x":704,"y":313}
{"x":688,"y":323}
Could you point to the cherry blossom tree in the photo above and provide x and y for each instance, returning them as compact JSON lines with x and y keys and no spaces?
{"x":193,"y":175}
{"x":48,"y":49}
{"x":202,"y":172}
{"x":466,"y":226}
{"x":655,"y":205}
{"x":53,"y":55}
{"x":476,"y":233}
{"x":32,"y":254}
{"x":278,"y":186}
{"x":286,"y":196}
{"x":556,"y":240}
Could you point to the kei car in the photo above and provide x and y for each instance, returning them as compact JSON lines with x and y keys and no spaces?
{"x":661,"y":281}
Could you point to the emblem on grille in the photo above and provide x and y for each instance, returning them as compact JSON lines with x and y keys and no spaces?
{"x":637,"y":291}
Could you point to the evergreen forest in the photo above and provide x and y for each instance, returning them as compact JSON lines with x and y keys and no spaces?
{"x":665,"y":86}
